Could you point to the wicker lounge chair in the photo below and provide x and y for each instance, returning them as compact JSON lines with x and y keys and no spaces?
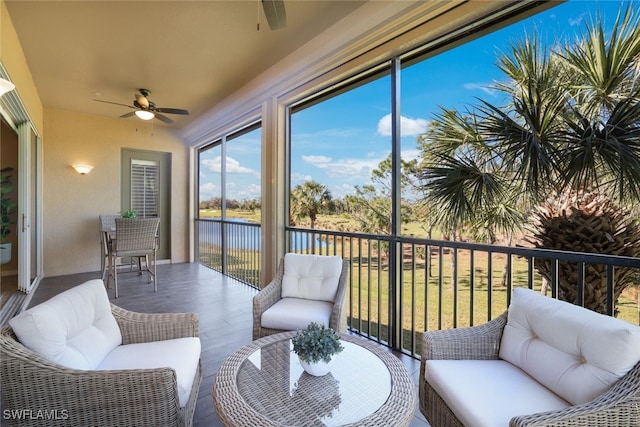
{"x":74,"y":397}
{"x":272,"y":294}
{"x":619,"y":405}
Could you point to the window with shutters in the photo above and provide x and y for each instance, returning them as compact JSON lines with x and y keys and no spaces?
{"x":145,"y":185}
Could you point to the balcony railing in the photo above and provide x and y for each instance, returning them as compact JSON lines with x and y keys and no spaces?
{"x":402,"y":286}
{"x":231,"y":247}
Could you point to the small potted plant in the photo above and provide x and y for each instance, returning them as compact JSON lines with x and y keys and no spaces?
{"x":315,"y":346}
{"x":130,"y":214}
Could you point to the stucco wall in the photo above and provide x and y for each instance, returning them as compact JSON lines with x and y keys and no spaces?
{"x":72,"y":202}
{"x":16,"y":65}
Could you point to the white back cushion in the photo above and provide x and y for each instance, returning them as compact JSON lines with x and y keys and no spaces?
{"x":575,"y":352}
{"x":74,"y":329}
{"x":312,"y":277}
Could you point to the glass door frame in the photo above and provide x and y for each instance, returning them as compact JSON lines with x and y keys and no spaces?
{"x":29,"y":217}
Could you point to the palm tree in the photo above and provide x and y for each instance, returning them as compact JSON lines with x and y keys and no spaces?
{"x":569,"y":131}
{"x":309,"y":199}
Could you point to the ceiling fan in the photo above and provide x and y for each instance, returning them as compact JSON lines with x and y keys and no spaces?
{"x":146,"y":109}
{"x":275,"y":14}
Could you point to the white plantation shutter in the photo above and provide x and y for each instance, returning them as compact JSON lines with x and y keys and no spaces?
{"x":145,"y":185}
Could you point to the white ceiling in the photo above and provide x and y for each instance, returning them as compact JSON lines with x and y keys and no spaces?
{"x":190,"y":54}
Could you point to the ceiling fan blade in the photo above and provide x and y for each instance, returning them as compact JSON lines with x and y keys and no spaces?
{"x":172,"y":111}
{"x":114,"y":103}
{"x":275,"y":13}
{"x":142,"y":100}
{"x":162,"y":118}
{"x":129,"y":114}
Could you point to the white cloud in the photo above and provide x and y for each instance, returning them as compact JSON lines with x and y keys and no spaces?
{"x":212,"y":165}
{"x":298,"y":178}
{"x":410,"y":154}
{"x":208,"y":190}
{"x":349,"y":168}
{"x":408,"y":127}
{"x":243,"y":192}
{"x":341,"y":190}
{"x":574,"y":22}
{"x":479,"y":86}
{"x":233,"y":166}
{"x":328,"y":133}
{"x":315,"y":160}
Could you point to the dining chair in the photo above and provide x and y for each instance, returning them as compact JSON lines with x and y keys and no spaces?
{"x":107,"y":228}
{"x":135,"y":237}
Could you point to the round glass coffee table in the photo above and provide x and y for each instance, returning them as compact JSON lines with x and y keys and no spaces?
{"x":263,"y":384}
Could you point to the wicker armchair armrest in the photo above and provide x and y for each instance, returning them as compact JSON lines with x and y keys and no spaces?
{"x":147,"y":327}
{"x":264,"y":299}
{"x":338,"y":320}
{"x":620,"y":405}
{"x":83,"y":398}
{"x":476,"y":342}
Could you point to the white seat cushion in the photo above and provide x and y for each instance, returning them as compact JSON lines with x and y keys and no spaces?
{"x":313,"y":277}
{"x":488,"y":393}
{"x":291,"y":314}
{"x":74,"y":328}
{"x":180,"y":354}
{"x":577,"y":353}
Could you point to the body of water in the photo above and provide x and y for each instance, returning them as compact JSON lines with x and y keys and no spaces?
{"x":240,"y":235}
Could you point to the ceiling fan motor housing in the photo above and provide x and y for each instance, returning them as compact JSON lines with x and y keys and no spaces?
{"x":152,"y":105}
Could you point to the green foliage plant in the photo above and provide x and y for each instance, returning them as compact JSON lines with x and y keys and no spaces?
{"x":316,"y":342}
{"x":7,"y":205}
{"x":130,"y":214}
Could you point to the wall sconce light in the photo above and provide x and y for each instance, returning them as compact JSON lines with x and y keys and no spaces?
{"x":83,"y":169}
{"x":6,"y":86}
{"x":145,"y":114}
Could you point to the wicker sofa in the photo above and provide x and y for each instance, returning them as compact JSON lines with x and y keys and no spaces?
{"x":542,"y":363}
{"x":37,"y":391}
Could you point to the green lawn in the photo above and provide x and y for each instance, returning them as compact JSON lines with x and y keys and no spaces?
{"x":429,"y":298}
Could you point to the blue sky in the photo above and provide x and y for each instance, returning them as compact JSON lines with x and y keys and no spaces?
{"x":340,"y":141}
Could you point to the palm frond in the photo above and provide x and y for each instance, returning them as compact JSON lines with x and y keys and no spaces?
{"x":458,"y":188}
{"x":602,"y":63}
{"x":605,"y":155}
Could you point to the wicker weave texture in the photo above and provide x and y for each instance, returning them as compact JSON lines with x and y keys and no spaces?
{"x":619,"y":406}
{"x":271,"y":294}
{"x":234,"y":410}
{"x":136,"y":397}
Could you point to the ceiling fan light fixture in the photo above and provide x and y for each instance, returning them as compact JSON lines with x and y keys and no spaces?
{"x":145,"y":115}
{"x":6,"y":86}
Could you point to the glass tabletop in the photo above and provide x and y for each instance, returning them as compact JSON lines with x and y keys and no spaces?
{"x":274,"y":384}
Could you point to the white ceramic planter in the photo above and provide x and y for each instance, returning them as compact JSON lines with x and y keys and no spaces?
{"x":316,"y":369}
{"x":5,"y":253}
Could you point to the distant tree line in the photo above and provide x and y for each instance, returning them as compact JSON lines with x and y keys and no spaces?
{"x":215,"y":203}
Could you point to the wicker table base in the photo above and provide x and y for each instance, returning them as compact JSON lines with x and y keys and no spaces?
{"x":263,"y":384}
